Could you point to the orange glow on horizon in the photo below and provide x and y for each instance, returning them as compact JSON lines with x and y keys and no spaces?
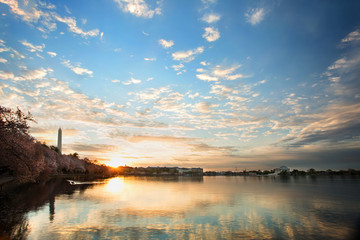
{"x":115,"y":162}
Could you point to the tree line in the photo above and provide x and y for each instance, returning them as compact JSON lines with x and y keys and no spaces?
{"x":28,"y":160}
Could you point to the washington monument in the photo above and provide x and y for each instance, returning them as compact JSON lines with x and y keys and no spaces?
{"x":59,"y":140}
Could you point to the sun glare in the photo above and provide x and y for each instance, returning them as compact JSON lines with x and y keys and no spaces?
{"x":116,"y":162}
{"x":115,"y":185}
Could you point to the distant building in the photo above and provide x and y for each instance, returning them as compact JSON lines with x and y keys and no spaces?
{"x":193,"y":171}
{"x":282,"y":169}
{"x":59,"y":144}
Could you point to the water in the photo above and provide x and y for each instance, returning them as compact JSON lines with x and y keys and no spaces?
{"x":186,"y":208}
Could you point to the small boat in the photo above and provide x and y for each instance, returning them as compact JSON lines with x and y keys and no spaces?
{"x":71,"y":182}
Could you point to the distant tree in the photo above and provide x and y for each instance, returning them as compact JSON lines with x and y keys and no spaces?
{"x":311,"y":171}
{"x":75,"y":154}
{"x":44,"y":144}
{"x":296,"y":172}
{"x":56,"y":149}
{"x":284,"y":173}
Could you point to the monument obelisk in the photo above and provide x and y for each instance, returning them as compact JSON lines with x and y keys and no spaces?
{"x":59,"y":140}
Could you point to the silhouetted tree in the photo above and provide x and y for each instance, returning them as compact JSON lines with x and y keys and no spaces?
{"x":311,"y":171}
{"x":56,"y":149}
{"x":18,"y":152}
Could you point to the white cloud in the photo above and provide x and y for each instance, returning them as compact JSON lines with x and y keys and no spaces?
{"x":187,"y":56}
{"x":345,"y":63}
{"x":218,"y":73}
{"x":42,"y":85}
{"x":234,"y":77}
{"x":67,"y":10}
{"x":4,"y":50}
{"x":223,"y":90}
{"x":225,"y":73}
{"x":132,"y":81}
{"x":192,"y":96}
{"x":28,"y":16}
{"x":27,"y":75}
{"x":6,"y":75}
{"x":166,"y":43}
{"x":77,"y":69}
{"x":52,"y":54}
{"x":71,"y":23}
{"x":46,"y":17}
{"x":31,"y":47}
{"x":150,"y":59}
{"x":151,"y":94}
{"x":82,"y":71}
{"x":255,"y":16}
{"x":208,"y":3}
{"x":13,"y":52}
{"x":351,"y":37}
{"x":211,"y":34}
{"x":115,"y":81}
{"x":211,"y":18}
{"x":171,"y":103}
{"x":204,"y":63}
{"x":2,"y":60}
{"x":207,"y":78}
{"x":36,"y":74}
{"x":204,"y":107}
{"x":45,"y":5}
{"x":139,"y":8}
{"x":177,"y":67}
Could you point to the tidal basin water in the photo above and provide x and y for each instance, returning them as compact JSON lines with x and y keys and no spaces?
{"x":188,"y":208}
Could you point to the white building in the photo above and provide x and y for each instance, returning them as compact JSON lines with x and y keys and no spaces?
{"x":282,"y":169}
{"x":195,"y":171}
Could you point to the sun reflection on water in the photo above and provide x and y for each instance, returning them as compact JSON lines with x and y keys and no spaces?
{"x":115,"y":185}
{"x":215,"y":208}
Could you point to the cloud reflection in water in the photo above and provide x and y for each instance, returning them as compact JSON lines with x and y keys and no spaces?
{"x":212,"y":208}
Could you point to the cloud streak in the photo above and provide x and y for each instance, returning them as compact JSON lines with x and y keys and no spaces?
{"x":31,"y":47}
{"x":45,"y":17}
{"x":255,"y":16}
{"x":132,"y":81}
{"x":77,"y":69}
{"x":138,"y":8}
{"x":72,"y":25}
{"x":187,"y":56}
{"x":211,"y":18}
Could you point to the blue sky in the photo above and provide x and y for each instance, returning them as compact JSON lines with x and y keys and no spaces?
{"x":213,"y":84}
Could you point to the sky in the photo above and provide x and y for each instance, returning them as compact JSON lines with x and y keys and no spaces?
{"x":217,"y":84}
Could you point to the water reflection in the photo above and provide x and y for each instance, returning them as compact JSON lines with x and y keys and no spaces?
{"x":17,"y":202}
{"x":115,"y":185}
{"x":191,"y":208}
